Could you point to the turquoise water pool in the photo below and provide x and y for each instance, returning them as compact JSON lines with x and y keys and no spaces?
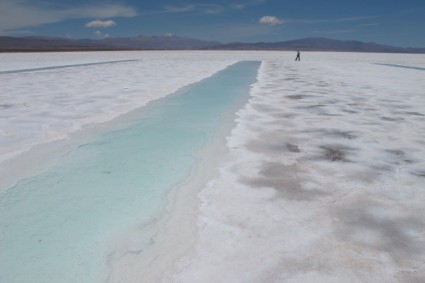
{"x":54,"y":226}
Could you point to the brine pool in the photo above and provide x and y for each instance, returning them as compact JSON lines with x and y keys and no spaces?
{"x":55,"y":226}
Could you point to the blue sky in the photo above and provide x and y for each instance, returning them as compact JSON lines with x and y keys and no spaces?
{"x":395,"y":22}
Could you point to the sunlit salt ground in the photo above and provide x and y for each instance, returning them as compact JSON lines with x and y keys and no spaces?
{"x":325,"y":180}
{"x":322,"y":179}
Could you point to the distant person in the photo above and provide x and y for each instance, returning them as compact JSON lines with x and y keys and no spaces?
{"x":298,"y":58}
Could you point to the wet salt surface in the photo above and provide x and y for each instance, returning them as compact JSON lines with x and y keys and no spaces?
{"x":324,"y":180}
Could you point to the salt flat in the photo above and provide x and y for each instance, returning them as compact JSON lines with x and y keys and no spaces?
{"x":321,"y":179}
{"x":324,"y":180}
{"x":43,"y":105}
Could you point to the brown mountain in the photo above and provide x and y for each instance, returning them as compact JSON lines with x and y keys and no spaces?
{"x":39,"y":43}
{"x":320,"y":44}
{"x":172,"y":42}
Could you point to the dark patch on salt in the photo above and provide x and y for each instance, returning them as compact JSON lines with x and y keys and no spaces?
{"x":287,"y":116}
{"x":372,"y":225}
{"x":400,"y":156}
{"x":322,"y":84}
{"x":296,"y":96}
{"x":396,"y":152}
{"x":336,"y":153}
{"x":329,"y":114}
{"x":332,"y":133}
{"x":313,"y":106}
{"x":413,"y":113}
{"x":293,"y":147}
{"x":392,"y":119}
{"x":284,"y":180}
{"x":343,"y":134}
{"x":350,"y":111}
{"x":272,"y":147}
{"x":419,"y":173}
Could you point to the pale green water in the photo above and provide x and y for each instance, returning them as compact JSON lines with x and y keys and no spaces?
{"x":53,"y":227}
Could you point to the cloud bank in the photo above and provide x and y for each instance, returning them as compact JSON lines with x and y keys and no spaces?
{"x":18,"y":14}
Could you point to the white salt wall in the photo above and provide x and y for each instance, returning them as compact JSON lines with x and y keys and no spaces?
{"x":324,"y":180}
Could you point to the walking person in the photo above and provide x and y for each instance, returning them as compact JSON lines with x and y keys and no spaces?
{"x":298,"y":58}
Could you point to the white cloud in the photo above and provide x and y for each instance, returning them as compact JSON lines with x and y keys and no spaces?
{"x":19,"y":14}
{"x":100,"y":24}
{"x":270,"y":20}
{"x":100,"y":34}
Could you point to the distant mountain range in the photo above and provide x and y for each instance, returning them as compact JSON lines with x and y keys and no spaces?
{"x":141,"y":42}
{"x":172,"y":42}
{"x":320,"y":44}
